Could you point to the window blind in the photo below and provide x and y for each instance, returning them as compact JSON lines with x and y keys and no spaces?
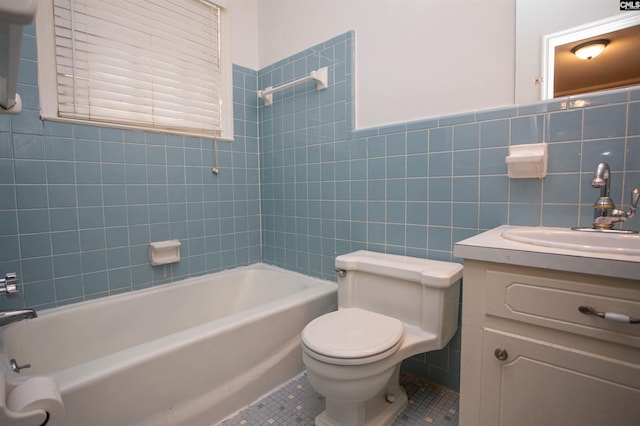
{"x":145,"y":63}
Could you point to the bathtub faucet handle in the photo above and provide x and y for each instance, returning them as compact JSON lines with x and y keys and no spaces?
{"x":15,"y":367}
{"x":9,"y":285}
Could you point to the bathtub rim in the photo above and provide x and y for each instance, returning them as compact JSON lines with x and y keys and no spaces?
{"x":140,"y":292}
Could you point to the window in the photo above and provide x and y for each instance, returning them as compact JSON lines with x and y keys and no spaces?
{"x":145,"y":64}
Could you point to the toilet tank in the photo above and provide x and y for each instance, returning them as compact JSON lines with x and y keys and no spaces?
{"x":419,"y":292}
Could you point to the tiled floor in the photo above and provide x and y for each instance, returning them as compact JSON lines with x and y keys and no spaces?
{"x":297,"y":403}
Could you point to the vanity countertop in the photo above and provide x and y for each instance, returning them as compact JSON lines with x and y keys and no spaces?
{"x":490,"y":246}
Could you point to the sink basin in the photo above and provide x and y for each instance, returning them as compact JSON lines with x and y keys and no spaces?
{"x":564,"y":238}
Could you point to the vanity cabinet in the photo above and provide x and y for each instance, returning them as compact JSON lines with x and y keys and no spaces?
{"x":530,"y":357}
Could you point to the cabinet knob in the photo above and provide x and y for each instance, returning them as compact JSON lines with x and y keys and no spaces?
{"x":501,"y":354}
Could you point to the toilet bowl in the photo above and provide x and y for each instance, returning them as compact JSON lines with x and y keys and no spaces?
{"x":390,"y":307}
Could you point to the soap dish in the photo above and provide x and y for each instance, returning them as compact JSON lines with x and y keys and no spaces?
{"x":164,"y":252}
{"x":527,"y":161}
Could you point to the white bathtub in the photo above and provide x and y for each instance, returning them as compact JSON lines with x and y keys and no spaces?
{"x":191,"y":352}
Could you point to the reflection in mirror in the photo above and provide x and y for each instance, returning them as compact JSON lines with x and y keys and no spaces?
{"x":616,"y":65}
{"x":537,"y":18}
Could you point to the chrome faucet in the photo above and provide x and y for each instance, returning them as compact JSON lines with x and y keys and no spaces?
{"x":605,"y":214}
{"x":602,"y":180}
{"x":8,"y":317}
{"x":9,"y":285}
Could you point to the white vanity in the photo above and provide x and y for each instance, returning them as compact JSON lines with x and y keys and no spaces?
{"x":534,"y":350}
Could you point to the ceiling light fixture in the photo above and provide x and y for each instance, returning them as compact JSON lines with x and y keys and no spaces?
{"x":590,"y":49}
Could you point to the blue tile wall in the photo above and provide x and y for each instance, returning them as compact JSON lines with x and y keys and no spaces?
{"x":80,"y":204}
{"x":417,"y":188}
{"x":305,"y":161}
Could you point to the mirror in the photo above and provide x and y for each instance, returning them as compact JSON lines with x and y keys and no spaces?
{"x":536,"y":19}
{"x":617,"y":65}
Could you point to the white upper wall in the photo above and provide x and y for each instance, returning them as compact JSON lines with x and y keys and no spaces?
{"x":244,"y":33}
{"x":414,"y":58}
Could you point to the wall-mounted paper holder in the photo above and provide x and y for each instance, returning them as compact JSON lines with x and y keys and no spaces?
{"x":164,"y":252}
{"x":527,"y":161}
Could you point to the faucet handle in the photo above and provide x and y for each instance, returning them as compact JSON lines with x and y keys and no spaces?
{"x":635,"y":194}
{"x":616,"y":215}
{"x":9,"y":285}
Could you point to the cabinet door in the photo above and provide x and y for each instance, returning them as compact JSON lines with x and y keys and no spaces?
{"x":544,"y":384}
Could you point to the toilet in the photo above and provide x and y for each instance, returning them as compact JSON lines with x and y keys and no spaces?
{"x":390,"y":307}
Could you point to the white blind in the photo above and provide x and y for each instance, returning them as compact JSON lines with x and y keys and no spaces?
{"x":147,"y":63}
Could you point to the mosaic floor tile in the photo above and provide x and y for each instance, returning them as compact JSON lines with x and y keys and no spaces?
{"x":297,"y":403}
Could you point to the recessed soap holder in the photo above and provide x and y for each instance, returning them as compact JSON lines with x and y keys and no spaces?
{"x":527,"y":161}
{"x":164,"y":252}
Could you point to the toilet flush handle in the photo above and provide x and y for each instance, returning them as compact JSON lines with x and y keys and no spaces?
{"x":341,"y":273}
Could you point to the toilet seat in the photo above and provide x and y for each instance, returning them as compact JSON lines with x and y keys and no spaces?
{"x":352,"y":336}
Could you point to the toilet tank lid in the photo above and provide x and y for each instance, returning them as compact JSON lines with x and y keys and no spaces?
{"x":433,"y":273}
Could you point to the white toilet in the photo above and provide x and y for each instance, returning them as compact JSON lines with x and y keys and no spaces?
{"x":390,"y":307}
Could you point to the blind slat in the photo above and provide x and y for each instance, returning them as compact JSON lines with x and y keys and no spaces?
{"x":139,"y":62}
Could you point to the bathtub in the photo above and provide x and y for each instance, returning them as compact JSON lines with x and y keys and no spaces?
{"x":190,"y":352}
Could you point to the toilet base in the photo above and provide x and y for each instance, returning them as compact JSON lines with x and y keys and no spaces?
{"x":377,"y":411}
